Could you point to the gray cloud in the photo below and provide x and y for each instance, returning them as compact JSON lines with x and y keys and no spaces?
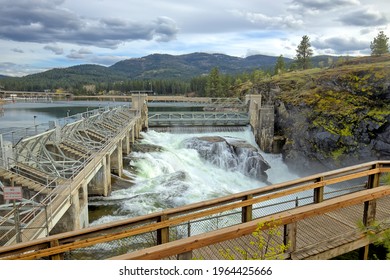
{"x":44,"y":21}
{"x":17,"y":50}
{"x":84,"y":51}
{"x":107,"y":60}
{"x":55,"y":49}
{"x":340,"y":44}
{"x":75,"y":55}
{"x":324,"y":4}
{"x":14,"y":69}
{"x":165,"y":29}
{"x":364,"y":17}
{"x":365,"y":31}
{"x":80,"y":54}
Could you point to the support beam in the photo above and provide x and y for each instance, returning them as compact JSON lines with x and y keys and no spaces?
{"x":116,"y":160}
{"x":100,"y":184}
{"x":126,"y":145}
{"x":290,"y":237}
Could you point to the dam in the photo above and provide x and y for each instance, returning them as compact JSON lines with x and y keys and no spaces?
{"x":312,"y":196}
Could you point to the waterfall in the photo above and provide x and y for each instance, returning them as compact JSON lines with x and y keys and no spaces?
{"x":182,"y":171}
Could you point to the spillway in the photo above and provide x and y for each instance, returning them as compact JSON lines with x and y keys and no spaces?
{"x":172,"y":175}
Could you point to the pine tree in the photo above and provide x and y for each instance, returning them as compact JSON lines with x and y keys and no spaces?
{"x":214,"y":84}
{"x":380,"y":45}
{"x":280,"y":65}
{"x":304,"y":53}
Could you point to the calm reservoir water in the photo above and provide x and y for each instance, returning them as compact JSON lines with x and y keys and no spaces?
{"x":21,"y":114}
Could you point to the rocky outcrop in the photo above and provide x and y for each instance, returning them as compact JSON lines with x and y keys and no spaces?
{"x":333,"y":117}
{"x":230,"y":154}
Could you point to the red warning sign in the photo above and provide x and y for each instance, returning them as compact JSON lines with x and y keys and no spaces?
{"x":12,"y":193}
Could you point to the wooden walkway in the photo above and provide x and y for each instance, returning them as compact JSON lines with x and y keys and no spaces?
{"x":320,"y":237}
{"x":320,"y":229}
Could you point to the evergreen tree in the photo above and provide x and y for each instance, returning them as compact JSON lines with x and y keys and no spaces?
{"x":214,"y":83}
{"x":304,"y":53}
{"x":279,"y":66}
{"x":380,"y":45}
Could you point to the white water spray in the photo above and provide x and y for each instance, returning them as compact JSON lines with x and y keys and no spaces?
{"x":178,"y":176}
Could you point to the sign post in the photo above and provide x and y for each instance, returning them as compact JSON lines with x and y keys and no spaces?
{"x":14,"y":193}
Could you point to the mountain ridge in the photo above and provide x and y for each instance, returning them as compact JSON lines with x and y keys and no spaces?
{"x":151,"y":67}
{"x":189,"y":65}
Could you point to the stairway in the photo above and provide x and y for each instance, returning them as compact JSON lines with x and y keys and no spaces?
{"x":20,"y":180}
{"x":35,"y":174}
{"x":75,"y":149}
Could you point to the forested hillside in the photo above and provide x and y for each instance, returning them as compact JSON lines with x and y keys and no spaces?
{"x":165,"y":74}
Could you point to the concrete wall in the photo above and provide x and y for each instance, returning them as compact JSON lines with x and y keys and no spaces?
{"x":265,"y":131}
{"x":116,"y":160}
{"x":76,"y":216}
{"x":254,"y":103}
{"x":138,"y":101}
{"x":262,"y":121}
{"x":100,"y":183}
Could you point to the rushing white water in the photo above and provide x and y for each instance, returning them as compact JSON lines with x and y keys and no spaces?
{"x":178,"y":176}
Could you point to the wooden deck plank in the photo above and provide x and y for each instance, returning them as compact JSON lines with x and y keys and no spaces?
{"x":309,"y":231}
{"x":303,"y":235}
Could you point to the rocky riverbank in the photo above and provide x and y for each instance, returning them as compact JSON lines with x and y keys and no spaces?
{"x":335,"y":117}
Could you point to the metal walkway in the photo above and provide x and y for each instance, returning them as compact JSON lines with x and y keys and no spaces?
{"x":210,"y":112}
{"x":162,"y":119}
{"x":50,"y":162}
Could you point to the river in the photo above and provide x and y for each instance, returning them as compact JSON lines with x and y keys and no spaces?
{"x":171,"y":176}
{"x":26,"y":114}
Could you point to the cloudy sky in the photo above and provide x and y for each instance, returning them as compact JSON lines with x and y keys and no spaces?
{"x":37,"y":35}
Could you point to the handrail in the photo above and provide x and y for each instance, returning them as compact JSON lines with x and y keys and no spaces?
{"x":93,"y":235}
{"x":283,"y":218}
{"x":61,"y":195}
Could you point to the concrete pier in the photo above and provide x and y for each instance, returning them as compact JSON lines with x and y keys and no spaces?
{"x":262,"y":120}
{"x":265,"y":130}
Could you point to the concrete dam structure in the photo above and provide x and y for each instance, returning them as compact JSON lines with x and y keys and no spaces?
{"x":56,"y":168}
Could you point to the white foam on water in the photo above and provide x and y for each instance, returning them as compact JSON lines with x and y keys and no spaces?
{"x":178,"y":176}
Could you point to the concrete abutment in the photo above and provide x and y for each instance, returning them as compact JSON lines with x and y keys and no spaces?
{"x":262,"y":121}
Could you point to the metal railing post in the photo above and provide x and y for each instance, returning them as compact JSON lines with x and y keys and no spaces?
{"x":17,"y":223}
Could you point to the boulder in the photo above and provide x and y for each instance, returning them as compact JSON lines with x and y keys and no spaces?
{"x":230,"y":154}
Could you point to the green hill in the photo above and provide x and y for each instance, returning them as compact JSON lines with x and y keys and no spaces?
{"x":163,"y":66}
{"x":151,"y":67}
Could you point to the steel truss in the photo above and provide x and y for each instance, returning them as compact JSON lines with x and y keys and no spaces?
{"x":60,"y":152}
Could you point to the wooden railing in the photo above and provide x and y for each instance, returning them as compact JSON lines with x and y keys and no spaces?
{"x":284,"y":218}
{"x":315,"y":195}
